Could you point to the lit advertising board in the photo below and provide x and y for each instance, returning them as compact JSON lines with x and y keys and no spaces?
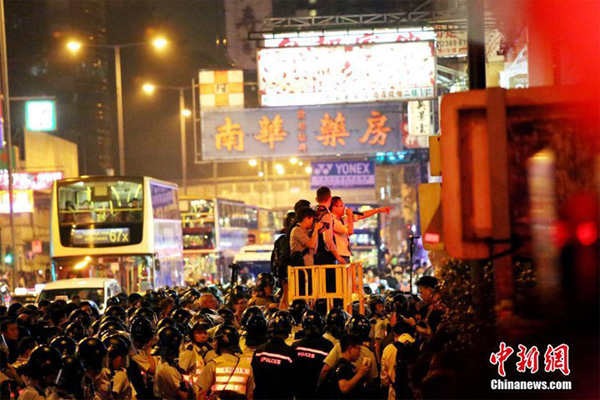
{"x":30,"y":180}
{"x":40,"y":115}
{"x":310,"y":131}
{"x":291,"y":76}
{"x":343,"y":174}
{"x":22,"y":201}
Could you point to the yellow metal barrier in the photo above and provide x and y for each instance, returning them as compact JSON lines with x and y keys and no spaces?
{"x":311,"y":283}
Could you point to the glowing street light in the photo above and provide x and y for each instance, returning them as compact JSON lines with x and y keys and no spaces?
{"x":253,"y":162}
{"x":308,"y":170}
{"x":160,"y":43}
{"x":186,"y":112}
{"x":149,"y":88}
{"x":74,"y":46}
{"x":293,"y":160}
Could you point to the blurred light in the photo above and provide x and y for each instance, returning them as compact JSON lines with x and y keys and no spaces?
{"x":261,"y":174}
{"x":160,"y":43}
{"x":279,"y":169}
{"x":20,"y":291}
{"x":39,"y":286}
{"x":74,"y":46}
{"x":308,"y":170}
{"x":300,"y":163}
{"x":186,"y":112}
{"x":253,"y":162}
{"x":293,"y":160}
{"x":149,"y":88}
{"x":587,"y":233}
{"x":432,"y":238}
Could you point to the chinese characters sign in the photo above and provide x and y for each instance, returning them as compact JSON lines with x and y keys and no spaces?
{"x":419,"y":124}
{"x":30,"y":180}
{"x":555,"y":358}
{"x":343,"y":175}
{"x":250,"y":133}
{"x":289,"y":76}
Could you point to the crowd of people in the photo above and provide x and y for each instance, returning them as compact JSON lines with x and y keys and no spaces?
{"x":196,"y":342}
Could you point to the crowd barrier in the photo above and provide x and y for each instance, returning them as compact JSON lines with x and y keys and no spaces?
{"x":332,"y":282}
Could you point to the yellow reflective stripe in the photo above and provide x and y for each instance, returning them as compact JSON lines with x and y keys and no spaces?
{"x":230,"y":387}
{"x":228,"y":370}
{"x":234,"y":379}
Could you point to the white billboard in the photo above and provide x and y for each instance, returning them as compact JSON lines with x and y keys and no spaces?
{"x":295,"y":76}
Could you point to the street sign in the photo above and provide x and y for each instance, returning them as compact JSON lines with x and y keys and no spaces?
{"x":40,"y":115}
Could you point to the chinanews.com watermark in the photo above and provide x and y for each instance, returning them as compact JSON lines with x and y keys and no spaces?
{"x":556,"y":360}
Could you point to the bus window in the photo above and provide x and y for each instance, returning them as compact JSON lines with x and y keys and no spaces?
{"x":165,"y":204}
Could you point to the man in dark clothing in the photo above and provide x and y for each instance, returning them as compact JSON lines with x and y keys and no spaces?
{"x":275,"y":363}
{"x":311,"y":352}
{"x":348,"y":380}
{"x":10,"y":331}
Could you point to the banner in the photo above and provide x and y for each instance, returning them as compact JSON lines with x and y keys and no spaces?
{"x":289,"y":76}
{"x":420,"y":125}
{"x":221,"y":89}
{"x":343,"y":174}
{"x":310,"y":131}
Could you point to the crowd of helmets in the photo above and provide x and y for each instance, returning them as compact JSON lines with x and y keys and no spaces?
{"x":157,"y":345}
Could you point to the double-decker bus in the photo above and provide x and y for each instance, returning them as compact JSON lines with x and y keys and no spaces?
{"x":127,"y":228}
{"x":214,"y":230}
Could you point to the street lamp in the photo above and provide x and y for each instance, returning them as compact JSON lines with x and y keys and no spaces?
{"x":183,"y":113}
{"x":159,"y":43}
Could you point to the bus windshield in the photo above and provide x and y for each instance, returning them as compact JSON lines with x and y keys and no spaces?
{"x":102,"y":201}
{"x":95,"y":294}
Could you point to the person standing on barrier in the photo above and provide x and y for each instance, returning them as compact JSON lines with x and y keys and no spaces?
{"x":303,"y":245}
{"x":343,"y":227}
{"x":327,"y":250}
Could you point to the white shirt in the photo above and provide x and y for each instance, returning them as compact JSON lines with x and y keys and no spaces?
{"x":388,"y":364}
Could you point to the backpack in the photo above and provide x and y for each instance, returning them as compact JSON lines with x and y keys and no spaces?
{"x":281,"y":256}
{"x":323,"y":256}
{"x":405,"y":356}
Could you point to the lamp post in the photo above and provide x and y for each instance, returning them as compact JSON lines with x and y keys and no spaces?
{"x":158,"y":43}
{"x":183,"y":113}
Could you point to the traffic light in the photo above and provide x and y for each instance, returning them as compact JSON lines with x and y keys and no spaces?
{"x":8,"y":256}
{"x":430,"y":211}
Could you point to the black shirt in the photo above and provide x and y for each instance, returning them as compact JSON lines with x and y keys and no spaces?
{"x":344,"y":370}
{"x":311,"y":352}
{"x":275,"y":370}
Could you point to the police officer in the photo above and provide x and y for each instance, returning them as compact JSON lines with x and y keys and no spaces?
{"x":255,"y":335}
{"x":228,"y":376}
{"x":118,"y":350}
{"x":169,"y":382}
{"x":264,"y":291}
{"x":379,"y":322}
{"x":93,"y":354}
{"x":69,"y":385}
{"x":334,"y":325}
{"x":311,"y":351}
{"x":197,"y":351}
{"x":43,"y":367}
{"x":275,"y":361}
{"x":297,"y":309}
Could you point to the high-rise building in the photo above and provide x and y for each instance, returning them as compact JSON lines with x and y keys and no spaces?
{"x":39,"y":64}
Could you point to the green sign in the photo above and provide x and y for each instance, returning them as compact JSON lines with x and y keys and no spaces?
{"x":40,"y":115}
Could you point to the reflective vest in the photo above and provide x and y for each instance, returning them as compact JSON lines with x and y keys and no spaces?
{"x":229,"y":377}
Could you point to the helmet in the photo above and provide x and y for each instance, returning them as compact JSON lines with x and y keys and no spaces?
{"x":312,"y":323}
{"x":116,"y":311}
{"x":111,"y":325}
{"x":134,"y":298}
{"x":227,"y":315}
{"x":297,"y":309}
{"x":281,"y":323}
{"x":181,"y":315}
{"x":227,"y":337}
{"x":43,"y":361}
{"x":321,"y":306}
{"x":71,"y":376}
{"x":93,"y":307}
{"x":172,"y":294}
{"x":335,"y":321}
{"x":360,"y":326}
{"x":396,"y":302}
{"x":200,"y":322}
{"x":123,"y":298}
{"x":367,"y":290}
{"x":167,"y":322}
{"x":265,"y":279}
{"x":113,"y":301}
{"x":116,"y":346}
{"x":256,"y":325}
{"x":142,"y":330}
{"x":91,"y":352}
{"x":239,"y":292}
{"x":169,"y":339}
{"x":147,"y":313}
{"x":248,"y":312}
{"x":80,"y":316}
{"x":192,"y":294}
{"x":65,"y":345}
{"x":372,"y":301}
{"x":75,"y":331}
{"x":151,"y":297}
